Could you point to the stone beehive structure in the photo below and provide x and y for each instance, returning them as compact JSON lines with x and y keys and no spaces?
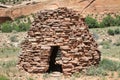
{"x":58,"y":40}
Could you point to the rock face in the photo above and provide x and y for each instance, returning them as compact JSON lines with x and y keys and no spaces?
{"x":98,"y":7}
{"x":60,"y":33}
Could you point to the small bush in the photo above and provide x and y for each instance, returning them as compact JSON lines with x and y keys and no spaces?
{"x":3,"y":1}
{"x":113,"y":32}
{"x":6,"y":27}
{"x":3,"y":77}
{"x":117,"y":31}
{"x":117,"y":44}
{"x":110,"y":32}
{"x":117,"y":20}
{"x":101,"y":25}
{"x":15,"y":26}
{"x":108,"y":21}
{"x":91,"y":22}
{"x":24,"y":26}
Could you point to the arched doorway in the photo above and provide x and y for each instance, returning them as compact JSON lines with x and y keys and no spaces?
{"x":55,"y":52}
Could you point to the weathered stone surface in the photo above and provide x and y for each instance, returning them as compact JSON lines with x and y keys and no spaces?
{"x":64,"y":28}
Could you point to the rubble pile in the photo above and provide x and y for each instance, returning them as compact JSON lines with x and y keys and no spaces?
{"x":66,"y":29}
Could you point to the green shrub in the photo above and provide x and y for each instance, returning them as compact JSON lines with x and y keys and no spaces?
{"x":108,"y":21}
{"x":117,"y":31}
{"x":15,"y":26}
{"x":113,"y":32}
{"x":101,"y":25}
{"x":6,"y":27}
{"x":117,"y":20}
{"x":3,"y":1}
{"x":117,"y":44}
{"x":110,"y":32}
{"x":91,"y":22}
{"x":3,"y":77}
{"x":9,"y":27}
{"x":24,"y":26}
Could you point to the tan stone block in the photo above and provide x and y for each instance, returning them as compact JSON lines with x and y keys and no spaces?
{"x":45,"y":47}
{"x":65,"y":47}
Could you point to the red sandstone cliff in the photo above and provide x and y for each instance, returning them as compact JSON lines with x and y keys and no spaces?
{"x":97,"y":7}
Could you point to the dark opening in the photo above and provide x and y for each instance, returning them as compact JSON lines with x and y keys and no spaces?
{"x":52,"y":66}
{"x":4,"y":19}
